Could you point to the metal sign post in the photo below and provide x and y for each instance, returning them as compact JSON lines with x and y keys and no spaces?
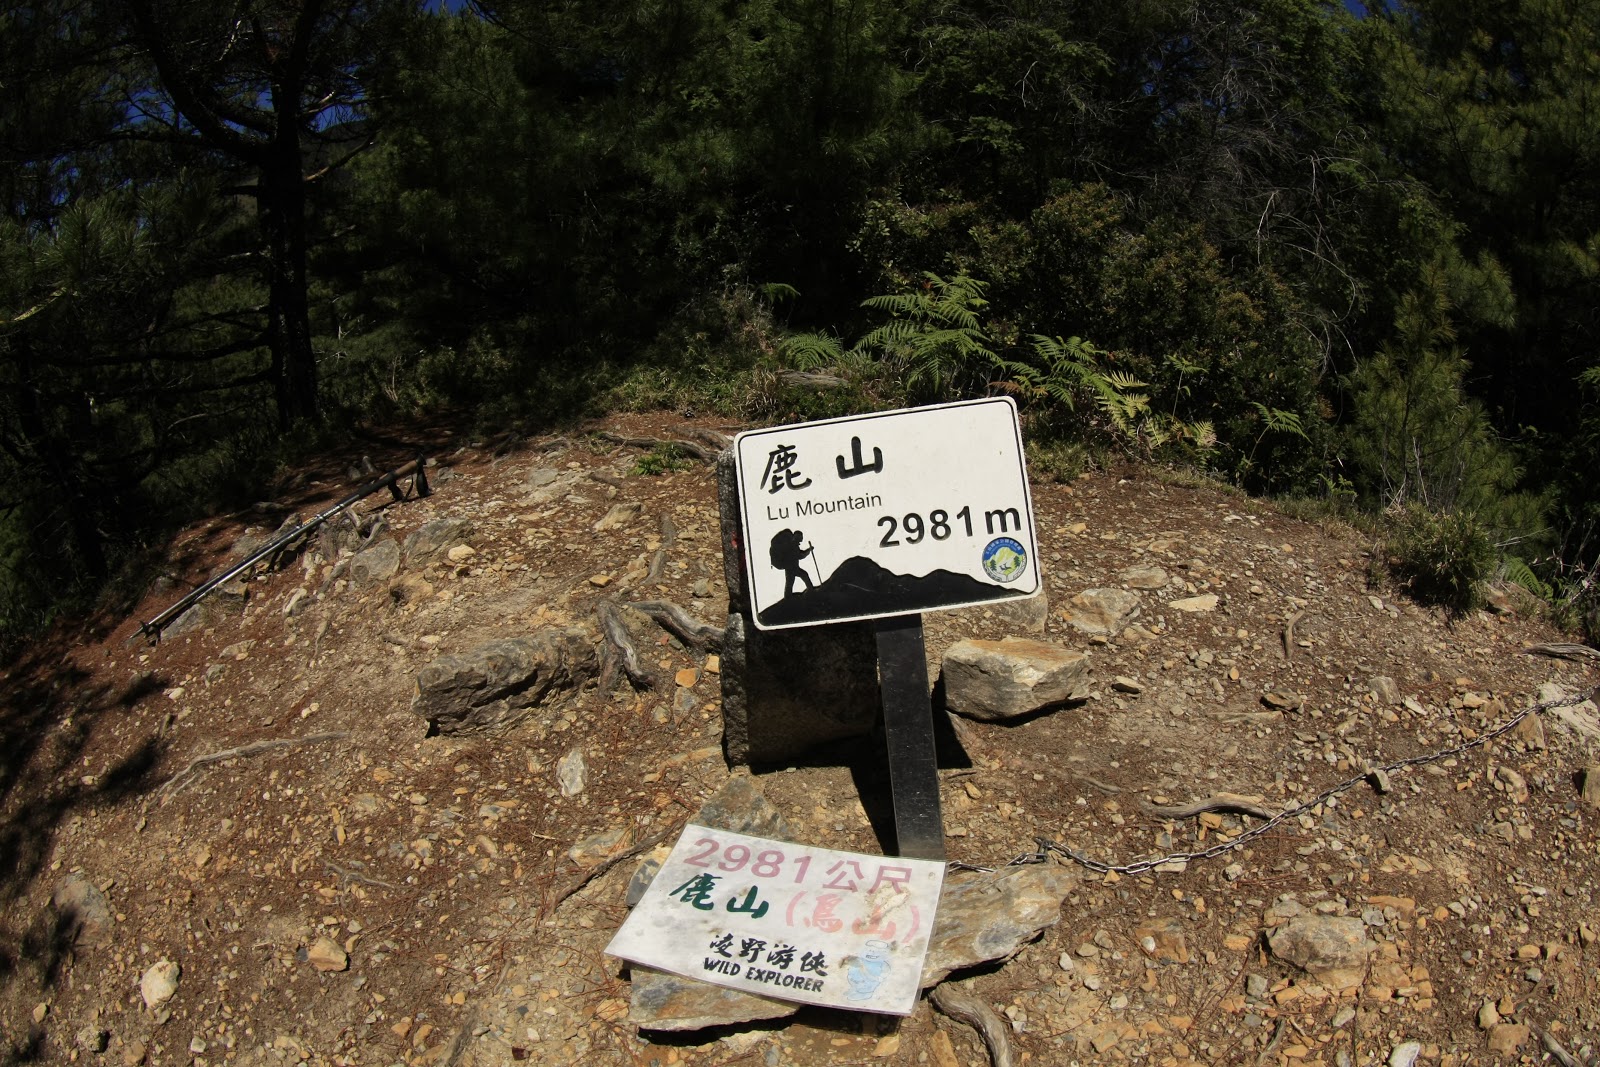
{"x":882,"y":517}
{"x":908,"y":734}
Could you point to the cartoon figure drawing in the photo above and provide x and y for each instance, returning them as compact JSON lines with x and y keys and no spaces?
{"x":867,"y":971}
{"x":786,"y":554}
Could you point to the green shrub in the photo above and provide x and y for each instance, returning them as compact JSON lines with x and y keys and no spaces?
{"x":1445,"y":556}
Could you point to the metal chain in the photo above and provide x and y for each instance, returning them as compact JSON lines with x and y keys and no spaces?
{"x":1046,"y":846}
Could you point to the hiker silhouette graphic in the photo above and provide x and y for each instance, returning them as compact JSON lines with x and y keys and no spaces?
{"x":786,"y":554}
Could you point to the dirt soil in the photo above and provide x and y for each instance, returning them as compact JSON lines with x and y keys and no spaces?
{"x":343,"y":888}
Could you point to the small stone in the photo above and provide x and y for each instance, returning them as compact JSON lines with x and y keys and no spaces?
{"x":40,"y":1011}
{"x":1256,"y":986}
{"x":133,"y":1053}
{"x":1405,"y":1054}
{"x":1123,"y":684}
{"x":377,"y":564}
{"x":93,"y":1039}
{"x":1331,"y":948}
{"x":987,"y":917}
{"x":1163,"y":939}
{"x":1143,"y":576}
{"x":601,"y":580}
{"x":1385,"y":689}
{"x":598,"y":848}
{"x":326,"y":955}
{"x":1195,"y":604}
{"x":1102,"y":611}
{"x":619,"y":516}
{"x":160,"y":983}
{"x":687,"y":677}
{"x":460,"y":553}
{"x":572,"y":773}
{"x":1507,"y":1037}
{"x":197,"y":1044}
{"x":1590,"y":793}
{"x":1488,"y":1017}
{"x":1282,"y":701}
{"x":82,"y":911}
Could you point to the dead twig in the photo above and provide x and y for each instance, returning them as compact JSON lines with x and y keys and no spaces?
{"x":1552,"y":1046}
{"x":1089,"y":779}
{"x":1288,"y":634}
{"x":1231,"y":802}
{"x":620,"y":647}
{"x":1564,"y":650}
{"x":1272,"y":1046}
{"x":255,"y":748}
{"x":680,"y":624}
{"x":347,"y":876}
{"x":966,"y":1008}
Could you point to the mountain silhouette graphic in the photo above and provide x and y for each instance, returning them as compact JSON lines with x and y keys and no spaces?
{"x":860,"y":586}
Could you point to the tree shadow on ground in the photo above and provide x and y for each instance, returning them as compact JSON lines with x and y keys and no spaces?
{"x":52,"y":712}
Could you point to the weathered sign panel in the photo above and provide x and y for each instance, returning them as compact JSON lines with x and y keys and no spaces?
{"x":811,"y":925}
{"x":892,"y":513}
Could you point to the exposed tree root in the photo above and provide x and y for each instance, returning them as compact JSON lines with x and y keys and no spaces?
{"x":680,"y":624}
{"x":620,"y":650}
{"x":964,"y":1007}
{"x":255,"y":748}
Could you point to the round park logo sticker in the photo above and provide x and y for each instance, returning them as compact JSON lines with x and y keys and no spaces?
{"x":1004,"y":560}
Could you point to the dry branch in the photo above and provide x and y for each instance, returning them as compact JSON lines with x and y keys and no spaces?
{"x":254,"y":748}
{"x":1231,"y":802}
{"x":1564,"y":650}
{"x":1288,"y":634}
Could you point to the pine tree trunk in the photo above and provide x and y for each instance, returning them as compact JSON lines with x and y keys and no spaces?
{"x":283,"y":218}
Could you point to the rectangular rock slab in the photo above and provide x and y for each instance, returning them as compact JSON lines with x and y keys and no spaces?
{"x":997,"y":680}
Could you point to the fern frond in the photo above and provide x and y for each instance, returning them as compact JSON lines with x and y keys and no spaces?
{"x":811,"y":351}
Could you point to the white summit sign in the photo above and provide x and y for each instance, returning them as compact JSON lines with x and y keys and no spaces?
{"x":893,"y":513}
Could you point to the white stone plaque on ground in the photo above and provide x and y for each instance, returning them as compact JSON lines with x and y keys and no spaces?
{"x":811,"y":925}
{"x":893,"y":513}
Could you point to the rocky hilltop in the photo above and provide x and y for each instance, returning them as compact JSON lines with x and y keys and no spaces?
{"x":382,"y":802}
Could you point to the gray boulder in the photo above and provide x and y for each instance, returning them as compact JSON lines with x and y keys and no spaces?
{"x":377,"y":564}
{"x":432,"y":538}
{"x":996,"y":680}
{"x":83,"y":913}
{"x":502,"y":683}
